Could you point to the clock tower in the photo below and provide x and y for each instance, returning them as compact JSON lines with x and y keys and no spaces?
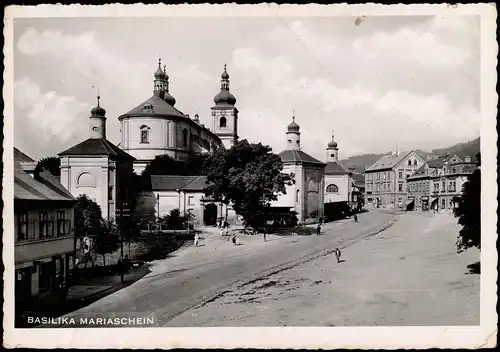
{"x":98,"y":121}
{"x":225,"y":114}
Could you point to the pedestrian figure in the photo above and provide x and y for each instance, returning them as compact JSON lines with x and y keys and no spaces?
{"x":234,"y":240}
{"x":320,"y":220}
{"x":355,"y":218}
{"x":318,"y":230}
{"x":338,"y":254}
{"x":265,"y":238}
{"x":196,"y":239}
{"x":237,"y":241}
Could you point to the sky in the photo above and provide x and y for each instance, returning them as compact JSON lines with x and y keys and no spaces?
{"x":379,"y":83}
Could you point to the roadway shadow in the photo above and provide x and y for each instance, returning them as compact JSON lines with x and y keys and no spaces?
{"x":200,"y":245}
{"x":341,"y":261}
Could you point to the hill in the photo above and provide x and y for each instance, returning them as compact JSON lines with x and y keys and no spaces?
{"x":471,"y":148}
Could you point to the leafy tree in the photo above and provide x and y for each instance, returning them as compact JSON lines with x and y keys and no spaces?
{"x":51,"y":164}
{"x":249,"y":176}
{"x":107,"y":239}
{"x":196,"y":163}
{"x":88,"y":216}
{"x":130,"y":228}
{"x":468,"y":212}
{"x":175,"y":220}
{"x":165,"y":165}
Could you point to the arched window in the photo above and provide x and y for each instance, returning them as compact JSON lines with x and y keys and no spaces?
{"x":409,"y":162}
{"x":332,"y":189}
{"x":144,"y":134}
{"x":185,"y":137}
{"x":85,"y":179}
{"x":222,"y":122}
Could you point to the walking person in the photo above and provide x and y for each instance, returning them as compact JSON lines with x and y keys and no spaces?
{"x":196,"y":240}
{"x":338,"y":254}
{"x":318,"y":229}
{"x":234,"y":240}
{"x":355,"y":218}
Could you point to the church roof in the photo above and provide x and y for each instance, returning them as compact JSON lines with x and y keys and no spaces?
{"x":336,"y":168}
{"x":175,"y":182}
{"x":298,"y":156}
{"x":154,"y":106}
{"x":43,"y":186}
{"x":97,"y":146}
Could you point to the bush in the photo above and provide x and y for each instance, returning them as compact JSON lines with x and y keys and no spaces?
{"x":177,"y":221}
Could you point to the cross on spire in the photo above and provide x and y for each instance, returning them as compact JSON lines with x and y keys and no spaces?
{"x":98,"y":96}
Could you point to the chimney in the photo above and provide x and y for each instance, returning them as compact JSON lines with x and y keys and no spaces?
{"x":29,"y":167}
{"x":187,"y":115}
{"x":196,"y":118}
{"x":203,"y":125}
{"x":467,"y":159}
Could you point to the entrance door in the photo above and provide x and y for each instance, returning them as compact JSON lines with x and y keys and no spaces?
{"x":210,"y":214}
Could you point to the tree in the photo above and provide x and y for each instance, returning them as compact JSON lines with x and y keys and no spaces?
{"x":468,"y":211}
{"x":249,"y":176}
{"x":130,"y":229}
{"x":165,"y":165}
{"x":107,"y":239}
{"x":51,"y":164}
{"x":88,"y":216}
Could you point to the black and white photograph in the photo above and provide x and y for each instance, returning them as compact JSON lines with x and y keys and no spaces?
{"x":292,"y":176}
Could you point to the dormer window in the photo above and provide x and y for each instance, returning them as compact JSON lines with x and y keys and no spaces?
{"x":147,"y":107}
{"x":415,"y":162}
{"x":144,"y":134}
{"x":222,"y":122}
{"x":409,"y":162}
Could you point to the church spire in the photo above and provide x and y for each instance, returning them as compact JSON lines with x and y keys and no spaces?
{"x":224,"y":97}
{"x":98,"y":121}
{"x":293,"y":135}
{"x":332,"y":149}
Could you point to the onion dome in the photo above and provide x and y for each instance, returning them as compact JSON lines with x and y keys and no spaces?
{"x":98,"y":111}
{"x":332,"y":143}
{"x":224,"y":97}
{"x":159,"y":74}
{"x":168,"y":98}
{"x":293,"y":127}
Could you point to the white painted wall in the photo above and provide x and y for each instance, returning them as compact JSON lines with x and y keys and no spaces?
{"x":343,"y":183}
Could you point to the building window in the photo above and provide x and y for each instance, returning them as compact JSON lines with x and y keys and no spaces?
{"x":443,"y":186}
{"x":223,"y":122}
{"x":415,"y":162}
{"x":332,"y":189}
{"x":443,"y":203}
{"x":45,"y":226}
{"x":85,"y":180}
{"x":184,"y":137}
{"x":453,"y":170}
{"x":110,"y":193}
{"x":191,"y":200}
{"x":400,"y":174}
{"x":60,"y":222}
{"x":400,"y":187}
{"x":22,"y":228}
{"x":409,"y":162}
{"x":144,"y":136}
{"x":384,"y":175}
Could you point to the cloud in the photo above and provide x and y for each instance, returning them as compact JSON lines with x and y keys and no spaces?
{"x":52,"y":118}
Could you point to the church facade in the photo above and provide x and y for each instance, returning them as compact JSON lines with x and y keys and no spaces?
{"x":305,"y":196}
{"x":156,"y":127}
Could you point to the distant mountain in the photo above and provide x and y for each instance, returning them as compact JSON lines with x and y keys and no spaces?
{"x":471,"y":148}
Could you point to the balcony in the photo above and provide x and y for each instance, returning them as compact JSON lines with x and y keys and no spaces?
{"x":44,"y":247}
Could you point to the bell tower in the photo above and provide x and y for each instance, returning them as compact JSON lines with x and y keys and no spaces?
{"x":332,"y":150}
{"x":225,"y":114}
{"x":98,"y":122}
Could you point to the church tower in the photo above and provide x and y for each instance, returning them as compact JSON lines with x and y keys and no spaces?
{"x":293,"y":136}
{"x":98,"y":122}
{"x":225,"y":114}
{"x":332,"y":150}
{"x":161,"y":84}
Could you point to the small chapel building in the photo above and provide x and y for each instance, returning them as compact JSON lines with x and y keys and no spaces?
{"x":305,"y":196}
{"x":98,"y":168}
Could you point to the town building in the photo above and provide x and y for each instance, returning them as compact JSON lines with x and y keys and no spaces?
{"x":44,"y":237}
{"x":156,"y":127}
{"x":98,"y":168}
{"x":435,"y":184}
{"x":306,"y":195}
{"x":186,"y":194}
{"x":385,"y":180}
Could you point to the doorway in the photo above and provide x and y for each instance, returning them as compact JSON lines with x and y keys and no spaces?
{"x":210,"y":214}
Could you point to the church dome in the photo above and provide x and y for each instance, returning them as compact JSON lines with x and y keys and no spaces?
{"x":168,"y":98}
{"x":159,"y":74}
{"x":225,"y":97}
{"x":293,"y":127}
{"x":332,"y":144}
{"x":98,"y":111}
{"x":224,"y":75}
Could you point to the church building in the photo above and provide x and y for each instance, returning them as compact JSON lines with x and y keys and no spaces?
{"x":156,"y":127}
{"x":98,"y":168}
{"x":306,"y":196}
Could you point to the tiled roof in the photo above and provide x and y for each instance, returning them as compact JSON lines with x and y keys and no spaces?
{"x":298,"y":156}
{"x":421,"y":171}
{"x":155,"y":106}
{"x":44,"y":187}
{"x":388,"y":161}
{"x":336,"y":168}
{"x":439,"y":161}
{"x":97,"y":146}
{"x":173,"y":183}
{"x":21,"y":157}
